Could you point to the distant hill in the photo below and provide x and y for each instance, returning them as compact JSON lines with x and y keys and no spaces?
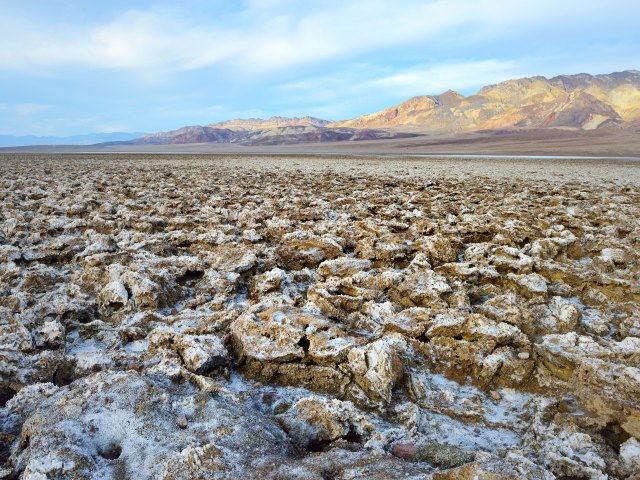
{"x":86,"y":139}
{"x":268,"y":136}
{"x":580,"y":101}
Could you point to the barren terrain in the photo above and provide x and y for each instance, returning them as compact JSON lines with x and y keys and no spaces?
{"x":612,"y":142}
{"x":318,"y":317}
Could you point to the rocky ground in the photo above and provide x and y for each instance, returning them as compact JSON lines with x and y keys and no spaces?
{"x":300,"y":318}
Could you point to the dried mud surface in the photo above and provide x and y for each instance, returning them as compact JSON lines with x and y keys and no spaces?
{"x":318,"y":318}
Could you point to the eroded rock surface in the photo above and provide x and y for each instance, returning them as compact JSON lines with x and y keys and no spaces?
{"x":190,"y":319}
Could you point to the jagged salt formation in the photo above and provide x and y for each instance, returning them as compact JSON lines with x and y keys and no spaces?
{"x":199,"y":320}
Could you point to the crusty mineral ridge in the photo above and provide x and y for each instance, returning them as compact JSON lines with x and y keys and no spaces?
{"x":194,"y":318}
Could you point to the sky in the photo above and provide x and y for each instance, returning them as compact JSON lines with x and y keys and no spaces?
{"x":71,"y":67}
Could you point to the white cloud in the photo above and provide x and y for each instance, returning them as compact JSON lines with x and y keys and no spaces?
{"x":456,"y":76}
{"x":273,"y":35}
{"x":356,"y":89}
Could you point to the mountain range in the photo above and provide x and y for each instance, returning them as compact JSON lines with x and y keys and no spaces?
{"x":581,"y":101}
{"x":571,"y":102}
{"x":538,"y":105}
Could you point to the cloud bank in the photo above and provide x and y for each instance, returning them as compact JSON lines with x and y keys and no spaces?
{"x":325,"y":52}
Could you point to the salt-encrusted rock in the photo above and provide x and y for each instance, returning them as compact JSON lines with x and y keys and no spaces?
{"x":331,"y":346}
{"x":274,"y":334}
{"x":109,"y":424}
{"x":296,"y":254}
{"x":334,"y":304}
{"x":511,"y":259}
{"x":232,"y":258}
{"x":565,"y":451}
{"x":14,"y":335}
{"x":52,"y":335}
{"x":411,"y":322}
{"x":199,"y":353}
{"x":441,"y":248}
{"x":144,"y":291}
{"x":605,"y":376}
{"x":558,"y":316}
{"x":20,"y":406}
{"x":492,"y":467}
{"x":343,"y":267}
{"x":378,"y":366}
{"x":314,"y":421}
{"x":530,"y":285}
{"x":423,"y":288}
{"x":630,"y":454}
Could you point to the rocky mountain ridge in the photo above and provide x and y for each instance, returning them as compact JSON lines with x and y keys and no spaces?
{"x":577,"y":102}
{"x":567,"y":101}
{"x":270,"y":136}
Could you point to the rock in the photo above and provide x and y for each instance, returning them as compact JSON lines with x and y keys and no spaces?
{"x":566,"y":451}
{"x":144,"y":291}
{"x":441,"y":248}
{"x":329,"y":347}
{"x":93,"y":426}
{"x":410,"y":322}
{"x":558,"y":316}
{"x":233,"y":258}
{"x":630,"y":454}
{"x":531,"y":284}
{"x":334,"y":305}
{"x":492,"y":468}
{"x":378,"y":366}
{"x":182,"y":422}
{"x":314,"y":422}
{"x":52,"y":334}
{"x":423,"y":288}
{"x":443,"y":456}
{"x":114,"y":294}
{"x":404,"y":450}
{"x":343,"y":267}
{"x":199,"y":353}
{"x":274,"y":334}
{"x":296,"y":254}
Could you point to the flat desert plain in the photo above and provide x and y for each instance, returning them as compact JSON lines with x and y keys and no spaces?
{"x":318,"y":317}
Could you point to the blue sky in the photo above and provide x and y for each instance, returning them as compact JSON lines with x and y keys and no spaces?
{"x":69,"y":67}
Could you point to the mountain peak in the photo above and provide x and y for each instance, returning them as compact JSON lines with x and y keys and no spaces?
{"x":450,"y":98}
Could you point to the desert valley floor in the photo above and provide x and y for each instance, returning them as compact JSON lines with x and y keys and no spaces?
{"x":318,"y":317}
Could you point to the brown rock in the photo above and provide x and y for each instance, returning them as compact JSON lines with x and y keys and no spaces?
{"x":404,"y":450}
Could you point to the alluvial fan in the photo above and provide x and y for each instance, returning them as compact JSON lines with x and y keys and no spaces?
{"x":233,"y":318}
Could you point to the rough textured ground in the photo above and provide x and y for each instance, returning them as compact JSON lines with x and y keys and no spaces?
{"x":318,"y":318}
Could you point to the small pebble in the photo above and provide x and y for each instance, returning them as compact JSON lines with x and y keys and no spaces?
{"x":404,"y":450}
{"x":136,"y":365}
{"x":523,"y":355}
{"x":182,"y":421}
{"x":496,"y":395}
